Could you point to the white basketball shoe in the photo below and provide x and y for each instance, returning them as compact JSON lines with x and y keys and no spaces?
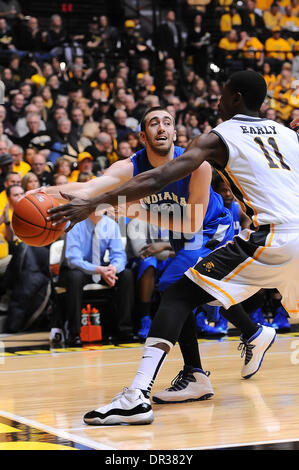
{"x":190,"y":384}
{"x":254,"y":350}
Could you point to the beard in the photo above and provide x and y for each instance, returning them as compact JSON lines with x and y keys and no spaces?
{"x":160,"y":151}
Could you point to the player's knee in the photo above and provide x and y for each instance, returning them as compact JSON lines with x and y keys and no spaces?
{"x":160,"y":343}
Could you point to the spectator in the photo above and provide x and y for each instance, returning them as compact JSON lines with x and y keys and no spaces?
{"x":252,"y":49}
{"x":82,"y":263}
{"x":134,"y":142}
{"x":64,"y":142}
{"x":122,"y":129}
{"x":63,"y":167}
{"x":272,"y":17}
{"x":124,"y":150}
{"x":230,"y":20}
{"x":34,"y":135}
{"x":15,"y":109}
{"x":60,"y":179}
{"x":55,"y":37}
{"x":21,"y":126}
{"x":39,"y":168}
{"x":85,"y":165}
{"x":252,"y":21}
{"x":4,"y":137}
{"x":30,"y":181}
{"x":11,"y":179}
{"x":198,"y":41}
{"x":99,"y":150}
{"x":19,"y":166}
{"x":169,"y":39}
{"x":277,"y":49}
{"x":6,"y":164}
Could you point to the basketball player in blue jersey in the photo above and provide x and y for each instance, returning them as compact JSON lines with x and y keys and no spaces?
{"x":259,"y":158}
{"x":213,"y":229}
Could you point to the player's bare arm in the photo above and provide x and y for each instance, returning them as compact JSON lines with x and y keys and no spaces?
{"x":210,"y":148}
{"x":117,"y":174}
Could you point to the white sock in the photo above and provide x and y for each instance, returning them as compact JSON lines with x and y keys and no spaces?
{"x":150,"y":365}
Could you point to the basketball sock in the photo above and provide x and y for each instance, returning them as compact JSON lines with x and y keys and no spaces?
{"x":239,"y":318}
{"x":150,"y":365}
{"x":188,"y":343}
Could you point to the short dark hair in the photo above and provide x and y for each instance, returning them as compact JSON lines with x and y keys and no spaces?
{"x":154,"y":108}
{"x":8,"y":190}
{"x":252,"y":87}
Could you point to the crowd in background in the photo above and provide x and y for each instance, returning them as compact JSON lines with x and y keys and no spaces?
{"x":73,"y":102}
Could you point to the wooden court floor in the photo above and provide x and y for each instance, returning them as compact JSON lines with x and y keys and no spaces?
{"x":44,"y":394}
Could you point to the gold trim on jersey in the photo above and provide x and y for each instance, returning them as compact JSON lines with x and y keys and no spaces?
{"x":236,"y":182}
{"x":254,"y":257}
{"x":196,"y":273}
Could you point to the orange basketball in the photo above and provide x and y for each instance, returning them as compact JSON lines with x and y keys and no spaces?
{"x":30,"y":222}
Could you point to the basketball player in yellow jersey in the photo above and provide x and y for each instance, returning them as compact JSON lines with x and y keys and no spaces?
{"x":259,"y":158}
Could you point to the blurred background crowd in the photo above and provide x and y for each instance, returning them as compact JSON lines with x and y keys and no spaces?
{"x":76,"y":84}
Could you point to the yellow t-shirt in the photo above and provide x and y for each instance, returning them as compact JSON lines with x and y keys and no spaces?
{"x":4,"y":247}
{"x":270,"y":80}
{"x":227,"y":22}
{"x":272,"y":20}
{"x":74,"y":176}
{"x":3,"y":201}
{"x":22,"y":169}
{"x":251,"y":47}
{"x":289,"y":22}
{"x":263,"y":4}
{"x":281,"y":45}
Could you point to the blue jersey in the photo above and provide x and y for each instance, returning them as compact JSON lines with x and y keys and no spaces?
{"x":235,"y":208}
{"x":217,"y":217}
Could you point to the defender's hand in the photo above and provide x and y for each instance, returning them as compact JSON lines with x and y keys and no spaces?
{"x":74,"y":211}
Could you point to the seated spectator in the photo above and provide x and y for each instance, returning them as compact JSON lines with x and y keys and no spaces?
{"x":253,"y":50}
{"x":230,"y":20}
{"x":8,"y":128}
{"x":210,"y":112}
{"x":85,"y":165}
{"x":63,"y":167}
{"x":85,"y":246}
{"x":55,"y":36}
{"x":30,"y":181}
{"x":65,"y":143}
{"x":290,"y":23}
{"x":59,"y":179}
{"x":278,"y":50}
{"x":182,"y":141}
{"x":4,"y":137}
{"x":269,"y":76}
{"x":100,"y":148}
{"x":6,"y":164}
{"x":6,"y":236}
{"x":84,"y":176}
{"x":21,"y":126}
{"x":272,"y":17}
{"x":15,"y":108}
{"x":228,"y":47}
{"x":11,"y":179}
{"x":40,"y":169}
{"x":124,"y":150}
{"x":134,"y":142}
{"x":252,"y":20}
{"x":34,"y":135}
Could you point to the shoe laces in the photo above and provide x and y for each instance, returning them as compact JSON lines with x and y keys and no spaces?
{"x":182,"y":380}
{"x":246,"y":349}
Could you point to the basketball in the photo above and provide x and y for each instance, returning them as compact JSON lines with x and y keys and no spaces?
{"x":30,"y":222}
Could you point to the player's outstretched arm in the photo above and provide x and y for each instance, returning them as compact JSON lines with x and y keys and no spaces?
{"x":114,"y":176}
{"x":208,"y":148}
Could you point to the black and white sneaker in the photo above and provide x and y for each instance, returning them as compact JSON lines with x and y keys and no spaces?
{"x":190,"y":384}
{"x":129,"y":406}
